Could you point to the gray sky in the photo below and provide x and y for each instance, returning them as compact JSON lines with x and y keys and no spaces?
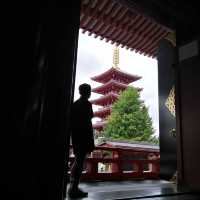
{"x":95,"y":57}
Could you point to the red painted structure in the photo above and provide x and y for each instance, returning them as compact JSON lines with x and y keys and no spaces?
{"x":114,"y":81}
{"x":145,"y":163}
{"x":120,"y":24}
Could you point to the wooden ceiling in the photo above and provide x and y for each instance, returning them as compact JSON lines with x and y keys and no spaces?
{"x":122,"y":25}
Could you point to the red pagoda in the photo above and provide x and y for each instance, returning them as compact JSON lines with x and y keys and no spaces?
{"x":113,"y":82}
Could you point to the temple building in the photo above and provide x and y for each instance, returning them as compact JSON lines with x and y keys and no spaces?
{"x":113,"y":81}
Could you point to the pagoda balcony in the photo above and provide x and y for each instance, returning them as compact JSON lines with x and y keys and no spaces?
{"x":106,"y":100}
{"x":113,"y":163}
{"x":115,"y":73}
{"x":104,"y":108}
{"x":111,"y":85}
{"x":99,"y":125}
{"x":103,"y":112}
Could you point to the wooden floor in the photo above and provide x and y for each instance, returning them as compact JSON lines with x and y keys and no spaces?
{"x":145,"y":190}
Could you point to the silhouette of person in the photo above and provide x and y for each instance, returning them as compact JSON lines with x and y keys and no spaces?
{"x":82,"y":138}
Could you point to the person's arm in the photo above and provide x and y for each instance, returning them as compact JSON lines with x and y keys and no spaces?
{"x":91,"y":111}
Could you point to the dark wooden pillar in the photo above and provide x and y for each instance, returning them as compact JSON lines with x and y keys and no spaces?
{"x":188,"y":98}
{"x":60,"y":36}
{"x":166,"y":59}
{"x":38,"y":89}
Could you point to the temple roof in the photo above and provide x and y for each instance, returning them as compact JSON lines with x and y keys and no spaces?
{"x":99,"y":125}
{"x":131,"y":145}
{"x":123,"y":25}
{"x":105,"y":100}
{"x":111,"y":85}
{"x":103,"y":112}
{"x":115,"y":74}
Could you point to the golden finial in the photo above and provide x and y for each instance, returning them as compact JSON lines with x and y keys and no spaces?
{"x":116,"y":57}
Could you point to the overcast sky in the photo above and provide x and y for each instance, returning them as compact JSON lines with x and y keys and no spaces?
{"x":95,"y":56}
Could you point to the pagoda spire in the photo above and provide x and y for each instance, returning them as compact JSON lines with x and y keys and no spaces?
{"x":116,"y":57}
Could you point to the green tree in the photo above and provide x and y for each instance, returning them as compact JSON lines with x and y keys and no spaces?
{"x":129,"y":119}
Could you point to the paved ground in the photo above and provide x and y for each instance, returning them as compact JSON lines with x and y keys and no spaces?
{"x":145,"y":190}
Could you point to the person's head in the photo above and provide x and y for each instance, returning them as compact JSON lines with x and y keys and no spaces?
{"x":85,"y":90}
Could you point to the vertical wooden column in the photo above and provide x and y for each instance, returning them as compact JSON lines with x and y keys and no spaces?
{"x":188,"y":93}
{"x":37,"y":92}
{"x":115,"y":166}
{"x":59,"y":37}
{"x":167,"y":122}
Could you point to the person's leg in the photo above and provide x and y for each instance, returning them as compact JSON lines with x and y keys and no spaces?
{"x":76,"y":170}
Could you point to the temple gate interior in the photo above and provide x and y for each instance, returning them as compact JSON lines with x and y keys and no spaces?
{"x":38,"y":84}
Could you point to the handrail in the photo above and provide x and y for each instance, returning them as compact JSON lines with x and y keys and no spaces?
{"x":146,"y":166}
{"x":132,"y":149}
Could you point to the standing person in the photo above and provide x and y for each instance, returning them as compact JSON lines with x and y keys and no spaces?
{"x":82,"y":138}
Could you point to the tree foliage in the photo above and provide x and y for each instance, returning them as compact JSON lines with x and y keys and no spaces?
{"x":129,"y":119}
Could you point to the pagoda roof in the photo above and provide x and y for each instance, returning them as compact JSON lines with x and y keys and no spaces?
{"x":110,"y":85}
{"x":103,"y":112}
{"x":99,"y":125}
{"x":106,"y":99}
{"x":123,"y":25}
{"x":115,"y":74}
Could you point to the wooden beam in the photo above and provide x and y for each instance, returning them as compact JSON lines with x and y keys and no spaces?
{"x":145,"y":33}
{"x":142,"y":36}
{"x":151,"y":10}
{"x":129,"y":30}
{"x":152,"y":36}
{"x":158,"y":37}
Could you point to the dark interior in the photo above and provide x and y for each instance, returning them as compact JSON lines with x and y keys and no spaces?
{"x":40,"y":45}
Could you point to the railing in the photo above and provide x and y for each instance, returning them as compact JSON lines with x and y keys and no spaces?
{"x":121,"y":164}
